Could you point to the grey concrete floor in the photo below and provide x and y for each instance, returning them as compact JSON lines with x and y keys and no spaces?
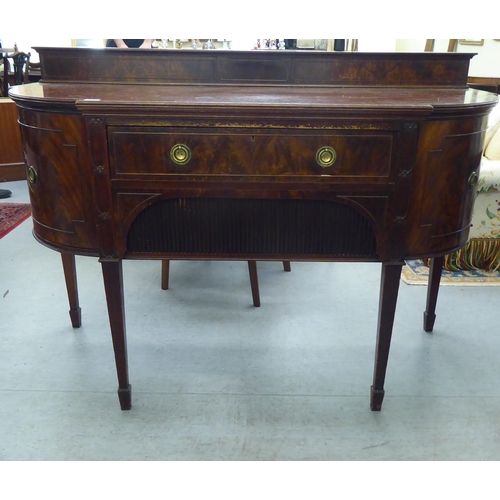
{"x":214,"y":378}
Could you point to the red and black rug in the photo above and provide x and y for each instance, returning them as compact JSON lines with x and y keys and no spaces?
{"x":11,"y":215}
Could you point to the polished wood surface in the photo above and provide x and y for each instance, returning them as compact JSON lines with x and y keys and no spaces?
{"x":230,"y":67}
{"x":283,"y":156}
{"x":11,"y":149}
{"x":490,"y":84}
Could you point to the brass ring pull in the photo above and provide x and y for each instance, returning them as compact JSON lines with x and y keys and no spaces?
{"x":473,"y":178}
{"x":180,"y":154}
{"x":326,"y":156}
{"x":32,"y":175}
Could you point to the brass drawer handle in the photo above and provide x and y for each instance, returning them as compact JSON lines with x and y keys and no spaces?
{"x":32,"y":175}
{"x":180,"y":154}
{"x":326,"y":156}
{"x":473,"y":178}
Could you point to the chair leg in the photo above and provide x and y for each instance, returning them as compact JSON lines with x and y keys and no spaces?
{"x":165,"y":270}
{"x":252,"y":270}
{"x":69,"y":268}
{"x":254,"y":282}
{"x":286,"y":266}
{"x":435,"y":271}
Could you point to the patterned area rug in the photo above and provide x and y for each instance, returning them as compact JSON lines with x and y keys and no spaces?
{"x":11,"y":215}
{"x":415,"y":272}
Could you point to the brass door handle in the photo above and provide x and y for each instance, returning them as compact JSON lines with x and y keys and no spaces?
{"x":473,"y":178}
{"x":326,"y":156}
{"x":180,"y":154}
{"x":32,"y":175}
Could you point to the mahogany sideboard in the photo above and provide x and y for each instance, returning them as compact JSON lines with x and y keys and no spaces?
{"x":258,"y":155}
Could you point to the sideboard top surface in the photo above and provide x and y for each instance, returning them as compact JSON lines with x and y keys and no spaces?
{"x":229,"y":83}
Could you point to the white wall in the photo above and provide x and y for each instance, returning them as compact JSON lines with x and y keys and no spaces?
{"x":487,"y":61}
{"x":377,"y":44}
{"x":410,"y":45}
{"x":485,"y":64}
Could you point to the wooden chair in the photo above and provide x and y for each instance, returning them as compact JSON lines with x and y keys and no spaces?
{"x":19,"y":70}
{"x":252,"y":270}
{"x":75,"y":313}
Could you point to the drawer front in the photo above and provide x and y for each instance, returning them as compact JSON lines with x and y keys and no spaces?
{"x":147,"y":151}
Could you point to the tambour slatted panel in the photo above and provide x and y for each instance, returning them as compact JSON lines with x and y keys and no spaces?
{"x":251,"y":227}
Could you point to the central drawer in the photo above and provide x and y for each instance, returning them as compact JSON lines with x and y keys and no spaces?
{"x":146,"y":151}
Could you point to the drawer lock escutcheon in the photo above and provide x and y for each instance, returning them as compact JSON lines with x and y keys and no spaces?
{"x":180,"y":154}
{"x":326,"y":156}
{"x":32,"y":175}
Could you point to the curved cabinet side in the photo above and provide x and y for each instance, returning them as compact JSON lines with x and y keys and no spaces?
{"x":59,"y":179}
{"x":448,"y":161}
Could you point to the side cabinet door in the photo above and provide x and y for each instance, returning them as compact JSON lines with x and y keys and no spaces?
{"x":58,"y":167}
